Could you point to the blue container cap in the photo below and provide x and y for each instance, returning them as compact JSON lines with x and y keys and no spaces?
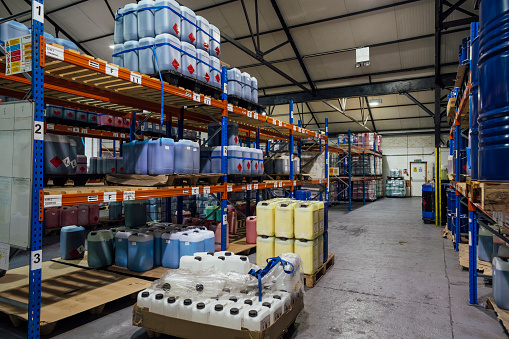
{"x":146,"y":42}
{"x":119,"y":12}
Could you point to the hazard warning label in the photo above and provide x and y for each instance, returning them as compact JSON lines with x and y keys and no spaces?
{"x":19,"y":55}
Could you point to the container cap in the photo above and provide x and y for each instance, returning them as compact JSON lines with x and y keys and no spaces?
{"x":171,"y":300}
{"x":218,"y":307}
{"x":188,"y":302}
{"x":159,"y":296}
{"x":244,"y":291}
{"x":199,"y":287}
{"x":266,"y":304}
{"x":228,"y":254}
{"x":234,"y":299}
{"x":197,"y":258}
{"x":210,"y":253}
{"x":221,"y":258}
{"x":234,"y":311}
{"x":145,"y":294}
{"x":166,"y":287}
{"x":253,"y":313}
{"x":243,"y":258}
{"x":227,"y":290}
{"x":200,"y":306}
{"x":248,"y":302}
{"x":276,"y":297}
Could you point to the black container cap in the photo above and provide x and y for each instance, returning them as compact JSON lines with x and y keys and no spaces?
{"x":266,"y":304}
{"x":243,"y":258}
{"x":234,"y":311}
{"x":166,"y":287}
{"x":171,"y":300}
{"x":159,"y":296}
{"x":145,"y":294}
{"x":199,"y":287}
{"x":210,"y":253}
{"x":266,"y":287}
{"x":276,"y":297}
{"x":197,"y":258}
{"x":248,"y":302}
{"x":284,"y":291}
{"x":221,"y":258}
{"x":234,"y":299}
{"x":253,"y":313}
{"x":218,"y":307}
{"x":200,"y":306}
{"x":244,"y":291}
{"x":93,"y":233}
{"x":227,"y":290}
{"x":188,"y":302}
{"x":228,"y":254}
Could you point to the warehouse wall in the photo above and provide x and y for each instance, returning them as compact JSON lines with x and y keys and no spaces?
{"x":399,"y":151}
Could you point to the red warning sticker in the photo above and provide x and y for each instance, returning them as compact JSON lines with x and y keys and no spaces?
{"x":191,"y":37}
{"x":249,"y":165}
{"x":217,"y":50}
{"x":56,"y":161}
{"x":176,"y":28}
{"x":175,"y":63}
{"x":82,"y":169}
{"x":206,"y":45}
{"x":121,"y":169}
{"x":69,"y":115}
{"x":82,"y":117}
{"x":236,"y":140}
{"x":239,"y":167}
{"x":57,"y":112}
{"x":207,"y":77}
{"x":113,"y":170}
{"x":190,"y":68}
{"x":256,"y":165}
{"x":218,"y":78}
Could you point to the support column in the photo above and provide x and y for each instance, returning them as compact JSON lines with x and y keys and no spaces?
{"x":224,"y":160}
{"x":326,"y":202}
{"x":180,"y":133}
{"x":472,"y":254}
{"x":349,"y":159}
{"x":290,"y":149}
{"x":258,"y":147}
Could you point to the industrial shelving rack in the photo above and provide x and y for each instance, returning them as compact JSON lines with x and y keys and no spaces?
{"x":67,"y":78}
{"x":345,"y":179}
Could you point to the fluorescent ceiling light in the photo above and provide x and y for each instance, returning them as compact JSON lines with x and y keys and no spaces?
{"x":375,"y":102}
{"x":112,"y":46}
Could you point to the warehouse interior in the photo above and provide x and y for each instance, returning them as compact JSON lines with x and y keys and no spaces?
{"x":359,"y":161}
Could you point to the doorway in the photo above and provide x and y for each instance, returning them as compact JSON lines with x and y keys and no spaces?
{"x":418,"y":177}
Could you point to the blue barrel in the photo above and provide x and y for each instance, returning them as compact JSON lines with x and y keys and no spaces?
{"x":118,"y":56}
{"x":140,"y":155}
{"x":72,"y":242}
{"x":130,"y":23}
{"x":146,"y":59}
{"x":188,"y":60}
{"x":118,"y":33}
{"x":121,"y":248}
{"x":184,"y":154}
{"x":188,"y":26}
{"x":168,"y":52}
{"x":170,"y":245}
{"x":131,"y":55}
{"x":140,"y":252}
{"x":161,"y":155}
{"x":167,"y":18}
{"x":493,"y":91}
{"x":146,"y":19}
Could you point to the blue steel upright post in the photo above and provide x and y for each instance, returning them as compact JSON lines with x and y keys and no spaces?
{"x":457,"y":159}
{"x":472,"y":253}
{"x":34,"y":288}
{"x":290,"y":151}
{"x":299,"y":152}
{"x":326,"y":202}
{"x":248,"y":192}
{"x":180,"y":134}
{"x":168,"y":200}
{"x":349,"y":159}
{"x":224,"y":159}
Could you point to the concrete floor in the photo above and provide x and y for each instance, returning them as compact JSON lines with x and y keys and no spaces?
{"x":394,"y":276}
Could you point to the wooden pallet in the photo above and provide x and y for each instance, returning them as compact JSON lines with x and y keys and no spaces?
{"x":491,"y":196}
{"x":244,"y":178}
{"x":311,"y":280}
{"x":65,"y":291}
{"x":241,"y":247}
{"x":502,"y":315}
{"x":299,"y":177}
{"x":447,"y":234}
{"x":483,"y":267}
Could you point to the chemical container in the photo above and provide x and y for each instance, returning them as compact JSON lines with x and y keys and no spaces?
{"x":493,"y":94}
{"x":110,"y":165}
{"x":256,"y":318}
{"x":307,"y":223}
{"x":202,"y":66}
{"x":501,"y":282}
{"x":321,"y":216}
{"x":283,"y":245}
{"x":210,"y":261}
{"x":92,"y":169}
{"x":283,"y":219}
{"x":308,"y":252}
{"x":202,"y":311}
{"x":68,"y":216}
{"x":131,"y":55}
{"x":189,"y":243}
{"x":168,"y":52}
{"x":121,"y":240}
{"x":145,"y":297}
{"x":215,"y":41}
{"x":205,"y":159}
{"x":92,"y":119}
{"x":257,"y":161}
{"x":12,"y":29}
{"x":202,"y":34}
{"x":246,"y":86}
{"x":184,"y":154}
{"x":485,"y":247}
{"x":82,"y":214}
{"x":72,"y":242}
{"x":171,"y":307}
{"x":196,"y":158}
{"x":234,"y":82}
{"x":140,"y":252}
{"x":265,"y":214}
{"x":69,"y":114}
{"x":157,"y":303}
{"x":185,"y":310}
{"x":235,"y":160}
{"x":188,"y":60}
{"x":54,"y":112}
{"x":161,"y":153}
{"x":115,"y":210}
{"x":52,"y":217}
{"x":191,"y":263}
{"x":118,"y":33}
{"x":100,"y":248}
{"x":118,"y":54}
{"x":320,"y":250}
{"x":140,"y":155}
{"x":73,"y":153}
{"x":93,"y":213}
{"x":130,"y":22}
{"x":147,"y":62}
{"x":251,"y":230}
{"x":105,"y":120}
{"x":167,"y":20}
{"x":296,"y":165}
{"x":303,"y":195}
{"x":216,"y":228}
{"x":231,"y":217}
{"x":135,"y":213}
{"x":232,"y":133}
{"x":81,"y":117}
{"x":275,"y":306}
{"x":188,"y":26}
{"x":208,"y":240}
{"x":119,"y":161}
{"x":128,"y":153}
{"x":56,"y":154}
{"x":282,"y":164}
{"x":146,"y":19}
{"x":237,"y":263}
{"x":254,"y":90}
{"x":170,"y":256}
{"x":215,"y":71}
{"x":264,"y":249}
{"x":157,"y":234}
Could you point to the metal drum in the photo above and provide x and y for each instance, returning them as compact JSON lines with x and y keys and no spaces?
{"x":493,"y":91}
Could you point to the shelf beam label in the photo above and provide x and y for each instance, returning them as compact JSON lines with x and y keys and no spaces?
{"x":206,"y":190}
{"x":230,"y":108}
{"x":136,"y":78}
{"x":195,"y":190}
{"x":52,"y":201}
{"x":249,"y":187}
{"x":255,"y":186}
{"x":129,"y":195}
{"x":112,"y":70}
{"x":93,"y":198}
{"x":55,"y":52}
{"x":38,"y":12}
{"x":229,"y":188}
{"x":207,"y":100}
{"x":255,"y":116}
{"x":38,"y":130}
{"x":196,"y":97}
{"x":110,"y":196}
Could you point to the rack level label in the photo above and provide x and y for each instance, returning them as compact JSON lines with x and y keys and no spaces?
{"x":196,"y":97}
{"x":230,"y":108}
{"x":249,"y":114}
{"x":38,"y":130}
{"x":55,"y":52}
{"x":38,"y":12}
{"x":129,"y":195}
{"x":195,"y":190}
{"x":136,"y":78}
{"x":207,"y":100}
{"x":255,"y":186}
{"x":93,"y":64}
{"x":229,"y":188}
{"x":36,"y":260}
{"x":255,"y":116}
{"x":206,"y":190}
{"x":249,"y":187}
{"x":112,"y":70}
{"x":93,"y":198}
{"x":52,"y":201}
{"x":110,"y":196}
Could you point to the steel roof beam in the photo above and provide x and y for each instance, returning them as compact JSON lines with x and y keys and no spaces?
{"x":370,"y":114}
{"x":292,"y":43}
{"x":418,"y":103}
{"x":109,"y":8}
{"x":386,"y":119}
{"x":382,"y":88}
{"x":459,"y":22}
{"x":214,"y":5}
{"x":464,"y":11}
{"x":312,"y":115}
{"x":6,"y":7}
{"x":452,"y":8}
